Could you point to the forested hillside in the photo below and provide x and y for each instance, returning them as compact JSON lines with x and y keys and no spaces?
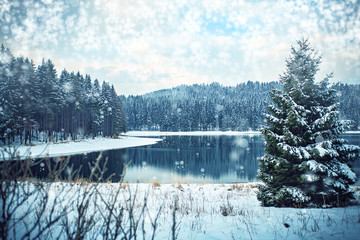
{"x":349,"y":96}
{"x":36,"y":103}
{"x":215,"y":107}
{"x":199,"y":107}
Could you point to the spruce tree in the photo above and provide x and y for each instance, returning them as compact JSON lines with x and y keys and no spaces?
{"x":306,"y":164}
{"x":38,"y":104}
{"x":8,"y":96}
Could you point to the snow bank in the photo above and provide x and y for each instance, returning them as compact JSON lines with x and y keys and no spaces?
{"x":352,"y":132}
{"x":195,"y":133}
{"x":83,"y":146}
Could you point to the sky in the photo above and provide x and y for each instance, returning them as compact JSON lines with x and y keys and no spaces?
{"x":141,"y":46}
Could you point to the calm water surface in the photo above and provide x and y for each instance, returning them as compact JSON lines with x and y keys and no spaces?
{"x":192,"y":159}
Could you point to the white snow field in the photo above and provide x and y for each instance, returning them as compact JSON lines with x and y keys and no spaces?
{"x":211,"y":211}
{"x":218,"y":211}
{"x":77,"y":147}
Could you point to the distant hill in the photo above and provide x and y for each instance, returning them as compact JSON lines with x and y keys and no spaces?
{"x":216,"y":107}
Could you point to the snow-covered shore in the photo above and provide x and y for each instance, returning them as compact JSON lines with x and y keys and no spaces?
{"x":78,"y":147}
{"x":352,"y":132}
{"x":131,"y":139}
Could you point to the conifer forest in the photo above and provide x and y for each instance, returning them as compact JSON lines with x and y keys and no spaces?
{"x":38,"y":103}
{"x":216,"y":107}
{"x":163,"y":119}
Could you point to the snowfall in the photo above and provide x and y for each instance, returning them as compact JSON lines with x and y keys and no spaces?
{"x":206,"y":211}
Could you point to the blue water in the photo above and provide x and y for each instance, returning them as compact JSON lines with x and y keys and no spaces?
{"x":192,"y":159}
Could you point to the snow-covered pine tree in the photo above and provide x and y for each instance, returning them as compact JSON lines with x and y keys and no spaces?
{"x":8,"y":96}
{"x":306,"y":162}
{"x":119,"y":125}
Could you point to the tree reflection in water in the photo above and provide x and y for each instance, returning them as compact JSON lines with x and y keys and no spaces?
{"x":193,"y":159}
{"x":220,"y":159}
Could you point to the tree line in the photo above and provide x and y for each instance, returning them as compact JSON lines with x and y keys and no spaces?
{"x":215,"y":107}
{"x":36,"y":103}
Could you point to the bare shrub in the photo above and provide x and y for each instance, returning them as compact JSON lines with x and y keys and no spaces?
{"x":72,"y":208}
{"x":26,"y":211}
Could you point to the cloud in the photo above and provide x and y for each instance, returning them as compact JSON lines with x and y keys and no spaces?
{"x":148,"y":45}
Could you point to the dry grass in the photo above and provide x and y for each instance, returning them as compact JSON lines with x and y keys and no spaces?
{"x":30,"y":144}
{"x":116,"y":137}
{"x":237,"y":187}
{"x":155,"y":183}
{"x":79,"y":181}
{"x":180,"y":187}
{"x":66,"y":141}
{"x":243,"y":187}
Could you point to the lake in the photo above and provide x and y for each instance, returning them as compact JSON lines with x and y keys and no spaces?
{"x":196,"y":159}
{"x":185,"y":159}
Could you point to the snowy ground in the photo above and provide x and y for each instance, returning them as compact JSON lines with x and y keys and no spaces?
{"x":218,"y":211}
{"x":232,"y":211}
{"x":82,"y":146}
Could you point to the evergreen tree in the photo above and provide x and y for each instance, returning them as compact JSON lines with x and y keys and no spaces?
{"x":49,"y":98}
{"x":95,"y":106}
{"x":118,"y":113}
{"x":306,"y":162}
{"x":38,"y":104}
{"x":106,"y":109}
{"x":26,"y":102}
{"x":8,"y":90}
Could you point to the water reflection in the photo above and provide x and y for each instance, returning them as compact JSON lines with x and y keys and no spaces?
{"x":219,"y":159}
{"x":354,"y":139}
{"x":193,"y":159}
{"x":112,"y":162}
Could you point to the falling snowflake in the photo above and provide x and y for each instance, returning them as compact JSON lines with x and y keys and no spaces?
{"x":241,"y":142}
{"x":319,"y":139}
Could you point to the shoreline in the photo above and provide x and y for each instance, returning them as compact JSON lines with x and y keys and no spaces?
{"x":128,"y":140}
{"x":200,"y":133}
{"x":73,"y":148}
{"x":190,"y":133}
